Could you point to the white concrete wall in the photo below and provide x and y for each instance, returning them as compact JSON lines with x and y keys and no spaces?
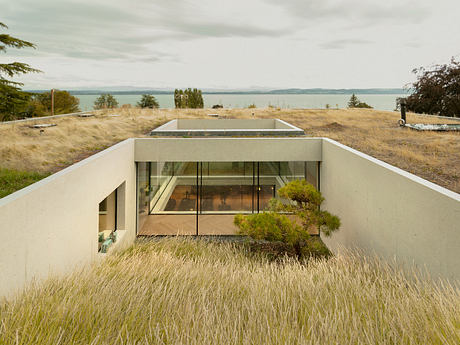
{"x":227,"y":124}
{"x":389,"y":212}
{"x":227,"y":149}
{"x":51,"y":226}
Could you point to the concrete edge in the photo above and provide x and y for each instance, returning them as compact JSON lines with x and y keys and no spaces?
{"x":164,"y":125}
{"x":291,"y":126}
{"x":165,"y":130}
{"x":229,"y":138}
{"x":410,"y":176}
{"x":34,"y":186}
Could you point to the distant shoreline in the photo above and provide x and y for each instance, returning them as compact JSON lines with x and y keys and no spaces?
{"x":255,"y":92}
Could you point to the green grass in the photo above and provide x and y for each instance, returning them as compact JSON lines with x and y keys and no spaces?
{"x":176,"y":291}
{"x":13,"y":180}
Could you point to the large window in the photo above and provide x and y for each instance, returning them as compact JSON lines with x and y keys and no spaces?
{"x":180,"y":197}
{"x":226,"y":187}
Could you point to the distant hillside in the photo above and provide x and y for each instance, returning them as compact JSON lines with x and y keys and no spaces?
{"x":338,"y":91}
{"x":316,"y":91}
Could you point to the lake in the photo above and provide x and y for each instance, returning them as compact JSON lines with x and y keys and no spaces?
{"x":380,"y":102}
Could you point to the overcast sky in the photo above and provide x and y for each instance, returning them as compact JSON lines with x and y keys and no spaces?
{"x":230,"y":44}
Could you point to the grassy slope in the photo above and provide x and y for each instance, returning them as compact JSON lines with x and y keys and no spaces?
{"x":13,"y":180}
{"x":433,"y":156}
{"x":192,"y":292}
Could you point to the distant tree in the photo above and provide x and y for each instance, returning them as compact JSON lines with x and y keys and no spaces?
{"x":13,"y":101}
{"x":64,"y":103}
{"x":354,"y":102}
{"x":437,"y":90}
{"x":148,"y":101}
{"x":176,"y":99}
{"x":188,"y":98}
{"x":105,"y":101}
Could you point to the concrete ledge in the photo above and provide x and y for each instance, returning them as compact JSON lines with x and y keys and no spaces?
{"x":227,"y":149}
{"x":227,"y":127}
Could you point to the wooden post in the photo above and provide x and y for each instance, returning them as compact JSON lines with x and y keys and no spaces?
{"x":52,"y":101}
{"x":402,"y":103}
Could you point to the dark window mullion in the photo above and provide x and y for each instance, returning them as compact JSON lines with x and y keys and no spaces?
{"x":197,"y":196}
{"x":258,"y":186}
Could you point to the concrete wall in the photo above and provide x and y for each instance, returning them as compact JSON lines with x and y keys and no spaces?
{"x":52,"y":225}
{"x":389,"y":212}
{"x":227,"y":124}
{"x":227,"y":127}
{"x":227,"y":149}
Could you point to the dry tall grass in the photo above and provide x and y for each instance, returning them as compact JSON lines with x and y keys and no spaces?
{"x":432,"y":155}
{"x":192,"y":292}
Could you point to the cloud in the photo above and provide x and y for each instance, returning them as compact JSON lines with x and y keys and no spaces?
{"x":342,"y":43}
{"x":289,"y":43}
{"x":355,"y":12}
{"x":118,"y":30}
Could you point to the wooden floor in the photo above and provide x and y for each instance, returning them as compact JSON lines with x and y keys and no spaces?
{"x":208,"y":224}
{"x":173,"y":224}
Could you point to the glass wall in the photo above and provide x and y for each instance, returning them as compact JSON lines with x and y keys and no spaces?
{"x":180,"y":197}
{"x":226,"y":187}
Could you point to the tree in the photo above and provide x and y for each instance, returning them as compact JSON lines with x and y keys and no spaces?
{"x":13,"y":100}
{"x":188,"y":98}
{"x":105,"y":101}
{"x":176,"y":99}
{"x":148,"y":101}
{"x":303,"y":201}
{"x":354,"y":102}
{"x":437,"y":90}
{"x":64,"y":103}
{"x":13,"y":103}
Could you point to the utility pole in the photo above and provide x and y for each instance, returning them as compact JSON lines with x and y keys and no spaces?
{"x":52,"y":101}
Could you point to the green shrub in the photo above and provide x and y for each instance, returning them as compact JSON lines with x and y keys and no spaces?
{"x":303,"y":201}
{"x":148,"y":101}
{"x":270,"y":226}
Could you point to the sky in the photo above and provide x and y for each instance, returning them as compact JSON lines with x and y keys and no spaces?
{"x":238,"y":44}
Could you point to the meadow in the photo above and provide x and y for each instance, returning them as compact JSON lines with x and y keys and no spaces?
{"x":184,"y":291}
{"x":431,"y":155}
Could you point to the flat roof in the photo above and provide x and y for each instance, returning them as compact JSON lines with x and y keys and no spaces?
{"x":227,"y":127}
